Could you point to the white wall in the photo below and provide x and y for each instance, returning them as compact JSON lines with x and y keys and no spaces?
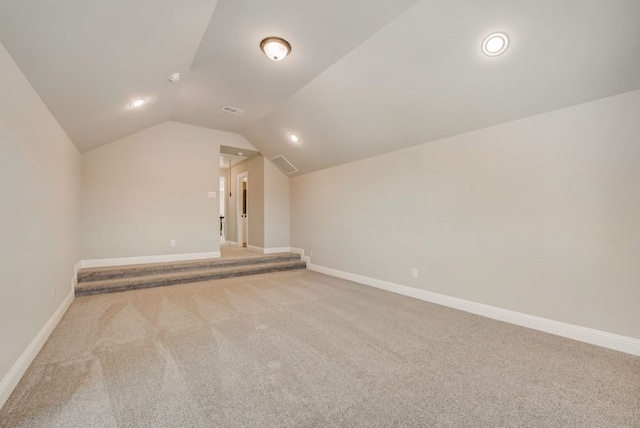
{"x":39,"y":183}
{"x":142,"y":191}
{"x":540,"y":215}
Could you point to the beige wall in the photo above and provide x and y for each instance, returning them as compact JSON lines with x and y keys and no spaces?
{"x":39,"y":183}
{"x":256,"y":201}
{"x":276,"y":207}
{"x":142,"y":191}
{"x":540,"y":215}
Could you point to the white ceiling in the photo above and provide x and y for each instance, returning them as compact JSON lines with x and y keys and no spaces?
{"x":364,"y":77}
{"x":230,"y":69}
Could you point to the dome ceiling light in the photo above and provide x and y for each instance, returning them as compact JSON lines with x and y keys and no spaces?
{"x":495,"y":44}
{"x":275,"y":48}
{"x":138,"y":102}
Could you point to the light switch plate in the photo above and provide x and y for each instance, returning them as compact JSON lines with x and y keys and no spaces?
{"x":211,"y":195}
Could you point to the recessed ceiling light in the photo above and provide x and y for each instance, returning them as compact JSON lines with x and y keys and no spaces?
{"x":138,"y":102}
{"x":240,"y":153}
{"x":275,"y":48}
{"x":494,"y":44}
{"x":174,"y":77}
{"x":294,"y":138}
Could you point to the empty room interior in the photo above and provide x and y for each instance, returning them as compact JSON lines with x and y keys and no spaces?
{"x":246,"y":213}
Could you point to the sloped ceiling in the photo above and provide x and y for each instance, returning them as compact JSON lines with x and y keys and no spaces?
{"x":364,"y":77}
{"x":89,"y":59}
{"x":423,"y":77}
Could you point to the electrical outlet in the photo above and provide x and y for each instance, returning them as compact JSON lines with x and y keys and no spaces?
{"x":310,"y":253}
{"x":414,"y":272}
{"x":53,"y":292}
{"x":173,"y":243}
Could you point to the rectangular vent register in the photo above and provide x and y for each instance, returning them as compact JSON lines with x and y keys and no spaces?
{"x":284,"y":165}
{"x":233,"y":110}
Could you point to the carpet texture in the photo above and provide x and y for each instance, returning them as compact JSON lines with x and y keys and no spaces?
{"x":302,"y":349}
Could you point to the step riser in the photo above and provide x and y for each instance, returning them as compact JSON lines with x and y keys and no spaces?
{"x":158,"y":270}
{"x":198,"y":278}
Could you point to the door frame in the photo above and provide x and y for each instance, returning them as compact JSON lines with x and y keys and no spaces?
{"x":239,"y":180}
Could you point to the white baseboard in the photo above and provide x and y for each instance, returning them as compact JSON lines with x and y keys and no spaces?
{"x":10,"y":381}
{"x":625,"y":344}
{"x":272,"y":250}
{"x":275,"y":250}
{"x":148,"y":259}
{"x":74,"y":280}
{"x":301,"y":252}
{"x":230,"y":243}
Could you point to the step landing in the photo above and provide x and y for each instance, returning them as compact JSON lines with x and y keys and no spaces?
{"x":93,"y":281}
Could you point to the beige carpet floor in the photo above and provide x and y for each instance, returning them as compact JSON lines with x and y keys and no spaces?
{"x":302,"y":349}
{"x":229,"y":252}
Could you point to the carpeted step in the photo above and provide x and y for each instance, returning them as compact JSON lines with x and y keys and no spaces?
{"x":128,"y":271}
{"x":133,"y":283}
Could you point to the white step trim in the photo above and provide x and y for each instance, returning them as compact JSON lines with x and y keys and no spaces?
{"x":617,"y":342}
{"x":74,"y":280}
{"x":11,"y":379}
{"x":148,"y":259}
{"x":301,"y":252}
{"x":273,"y":250}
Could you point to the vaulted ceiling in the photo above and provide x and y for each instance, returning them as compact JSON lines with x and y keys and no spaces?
{"x":364,"y":77}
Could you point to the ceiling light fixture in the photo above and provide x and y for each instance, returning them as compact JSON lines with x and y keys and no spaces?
{"x":294,"y":138}
{"x":138,"y":102}
{"x":174,"y":77}
{"x":275,"y":48}
{"x":494,"y":44}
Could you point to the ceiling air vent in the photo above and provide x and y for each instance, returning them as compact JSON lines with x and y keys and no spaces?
{"x":284,"y":165}
{"x":233,"y":110}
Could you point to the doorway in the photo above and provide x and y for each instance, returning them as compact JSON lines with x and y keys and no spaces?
{"x":242,"y":224}
{"x":223,"y":209}
{"x":236,"y":209}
